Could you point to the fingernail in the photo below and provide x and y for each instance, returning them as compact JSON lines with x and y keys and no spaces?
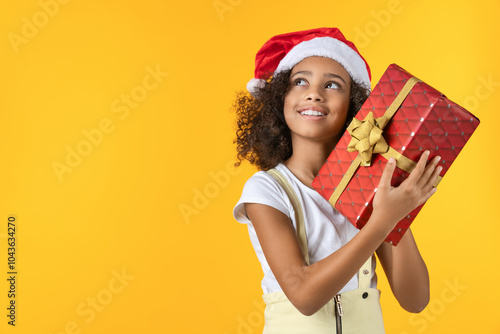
{"x":391,"y":160}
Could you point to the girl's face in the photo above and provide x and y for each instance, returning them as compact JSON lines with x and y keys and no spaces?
{"x":317,"y":101}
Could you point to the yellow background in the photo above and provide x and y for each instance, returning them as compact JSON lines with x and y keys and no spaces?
{"x":151,"y":201}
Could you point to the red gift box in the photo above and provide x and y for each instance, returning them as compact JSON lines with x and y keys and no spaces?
{"x":405,"y":117}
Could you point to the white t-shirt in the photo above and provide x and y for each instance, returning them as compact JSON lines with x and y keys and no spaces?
{"x":326,"y":229}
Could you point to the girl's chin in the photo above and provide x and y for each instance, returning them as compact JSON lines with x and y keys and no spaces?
{"x":325,"y":138}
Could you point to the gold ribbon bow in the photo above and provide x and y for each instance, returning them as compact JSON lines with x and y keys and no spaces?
{"x":367,"y":139}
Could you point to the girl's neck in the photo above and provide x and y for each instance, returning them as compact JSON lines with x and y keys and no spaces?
{"x":307,"y":159}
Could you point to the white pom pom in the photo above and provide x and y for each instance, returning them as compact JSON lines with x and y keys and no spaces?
{"x":254,"y":84}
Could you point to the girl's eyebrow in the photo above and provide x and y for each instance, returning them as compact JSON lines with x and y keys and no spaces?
{"x":301,"y":72}
{"x":329,"y":75}
{"x":333,"y":75}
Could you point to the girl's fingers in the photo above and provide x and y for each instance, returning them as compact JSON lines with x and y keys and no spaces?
{"x":428,"y":195}
{"x":432,"y":179}
{"x":385,"y":179}
{"x":422,"y":177}
{"x":419,"y":170}
{"x":429,"y":172}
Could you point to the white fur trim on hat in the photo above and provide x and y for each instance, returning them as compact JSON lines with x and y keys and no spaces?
{"x":253,"y":85}
{"x":330,"y":48}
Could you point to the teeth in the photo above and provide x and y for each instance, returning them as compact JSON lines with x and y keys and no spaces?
{"x":311,"y":113}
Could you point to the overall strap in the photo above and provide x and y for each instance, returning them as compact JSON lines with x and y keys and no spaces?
{"x":297,"y":207}
{"x":364,"y":274}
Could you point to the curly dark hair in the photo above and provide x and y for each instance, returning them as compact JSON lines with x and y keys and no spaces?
{"x":262,"y":135}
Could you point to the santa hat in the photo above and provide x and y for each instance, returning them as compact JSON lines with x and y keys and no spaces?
{"x":283,"y":52}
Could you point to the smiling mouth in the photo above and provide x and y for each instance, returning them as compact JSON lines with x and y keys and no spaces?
{"x":312,"y":113}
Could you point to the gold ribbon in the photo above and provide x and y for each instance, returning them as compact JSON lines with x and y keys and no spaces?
{"x":367,"y":139}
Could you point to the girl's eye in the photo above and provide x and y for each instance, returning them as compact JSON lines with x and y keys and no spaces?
{"x":299,"y":82}
{"x":333,"y":85}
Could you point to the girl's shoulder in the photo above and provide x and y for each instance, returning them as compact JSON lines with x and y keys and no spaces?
{"x":263,"y":179}
{"x":262,"y":188}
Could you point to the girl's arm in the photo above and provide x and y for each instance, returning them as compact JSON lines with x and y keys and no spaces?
{"x":311,"y":287}
{"x":406,"y":272}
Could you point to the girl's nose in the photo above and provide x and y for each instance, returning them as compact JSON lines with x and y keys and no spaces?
{"x":313,"y":94}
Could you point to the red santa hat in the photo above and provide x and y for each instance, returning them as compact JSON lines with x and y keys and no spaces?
{"x":283,"y":52}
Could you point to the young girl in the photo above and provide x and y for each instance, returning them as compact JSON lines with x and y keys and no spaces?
{"x":308,"y":86}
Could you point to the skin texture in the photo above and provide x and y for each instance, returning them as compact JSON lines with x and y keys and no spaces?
{"x":322,"y":84}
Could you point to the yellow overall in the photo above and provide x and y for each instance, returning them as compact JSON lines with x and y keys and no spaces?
{"x":353,"y":312}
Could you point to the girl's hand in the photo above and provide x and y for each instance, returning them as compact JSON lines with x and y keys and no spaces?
{"x":391,"y":204}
